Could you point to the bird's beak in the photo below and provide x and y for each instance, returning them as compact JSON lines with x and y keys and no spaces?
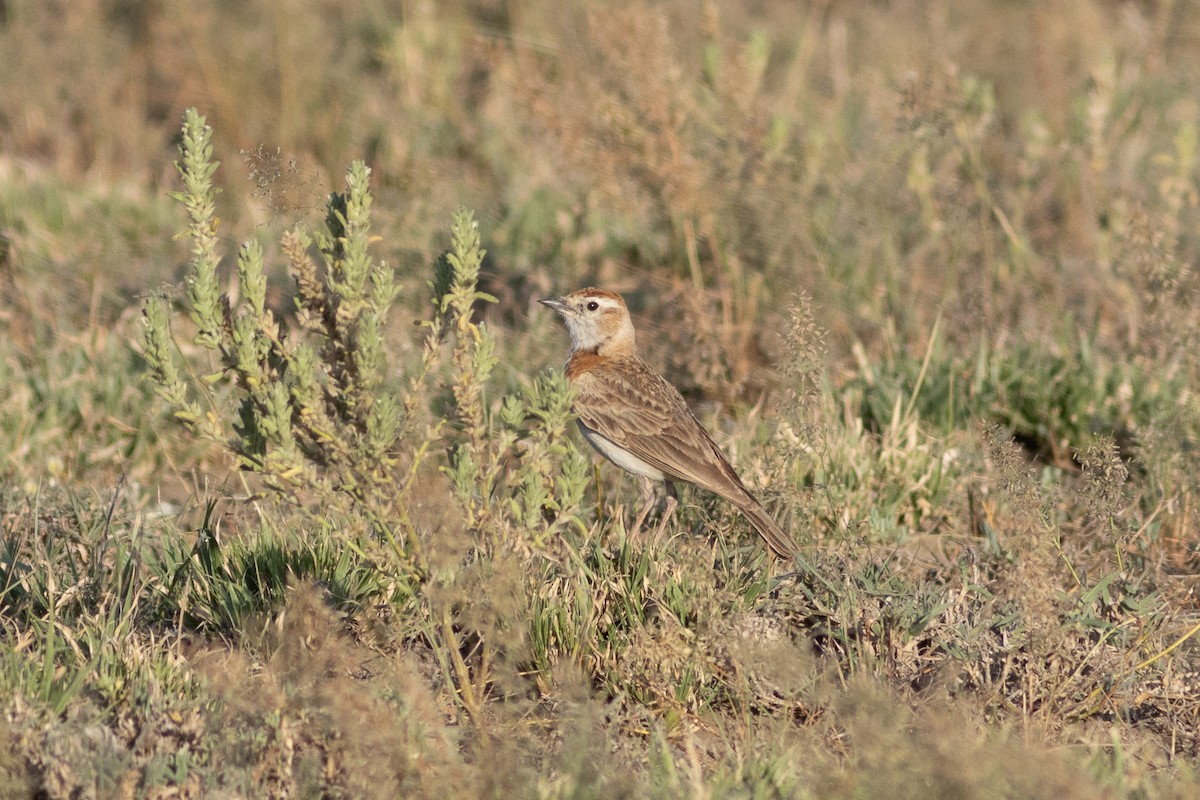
{"x":556,"y":303}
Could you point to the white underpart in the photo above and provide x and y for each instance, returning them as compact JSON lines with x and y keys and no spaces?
{"x":620,"y":456}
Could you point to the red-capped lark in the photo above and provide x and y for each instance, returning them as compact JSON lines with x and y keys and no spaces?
{"x":638,"y":421}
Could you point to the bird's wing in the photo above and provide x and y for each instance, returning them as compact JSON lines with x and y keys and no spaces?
{"x":633,"y":406}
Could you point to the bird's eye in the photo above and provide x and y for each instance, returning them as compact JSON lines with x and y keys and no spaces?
{"x":592,"y":306}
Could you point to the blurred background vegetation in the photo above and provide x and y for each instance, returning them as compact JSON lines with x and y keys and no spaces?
{"x":926,"y":269}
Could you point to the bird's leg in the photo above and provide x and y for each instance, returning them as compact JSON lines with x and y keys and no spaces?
{"x":669,"y":511}
{"x":648,"y":502}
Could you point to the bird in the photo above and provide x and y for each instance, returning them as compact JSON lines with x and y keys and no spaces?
{"x":638,"y":421}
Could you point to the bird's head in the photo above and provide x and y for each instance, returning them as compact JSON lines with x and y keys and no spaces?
{"x":598,"y":321}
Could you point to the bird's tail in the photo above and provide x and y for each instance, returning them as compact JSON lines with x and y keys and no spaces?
{"x":776,"y":537}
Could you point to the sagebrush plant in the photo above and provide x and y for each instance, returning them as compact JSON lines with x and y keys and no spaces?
{"x":315,"y":413}
{"x":321,"y":417}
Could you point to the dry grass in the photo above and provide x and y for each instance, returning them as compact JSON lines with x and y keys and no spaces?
{"x":926,"y":269}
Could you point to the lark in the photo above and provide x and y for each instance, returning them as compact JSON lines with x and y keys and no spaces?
{"x":638,"y":421}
